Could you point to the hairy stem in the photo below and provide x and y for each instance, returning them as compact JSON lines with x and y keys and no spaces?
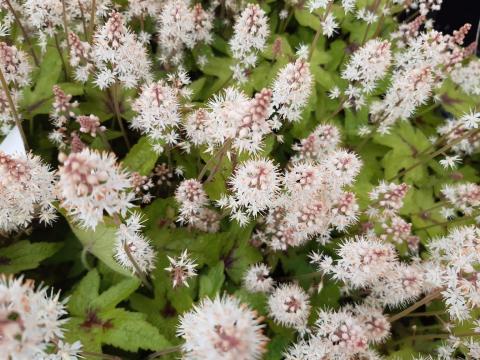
{"x":24,"y":32}
{"x":13,"y":110}
{"x":160,"y":353}
{"x":64,"y":64}
{"x":436,"y":153}
{"x":319,"y":30}
{"x":141,"y":275}
{"x":416,"y":305}
{"x":118,"y":114}
{"x":92,"y":20}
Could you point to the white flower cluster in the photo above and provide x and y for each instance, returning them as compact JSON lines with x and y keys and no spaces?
{"x":454,"y":268}
{"x":133,"y":250}
{"x":180,"y":26}
{"x":27,"y":190}
{"x":370,"y":263}
{"x":419,"y":69}
{"x":308,"y":201}
{"x":221,"y":328}
{"x":16,"y":70}
{"x":31,"y":321}
{"x":343,"y":334}
{"x":463,"y":197}
{"x":90,"y":184}
{"x":158,"y":114}
{"x":181,"y":268}
{"x":118,"y":56}
{"x":250,"y":34}
{"x":467,"y":77}
{"x":366,"y":67}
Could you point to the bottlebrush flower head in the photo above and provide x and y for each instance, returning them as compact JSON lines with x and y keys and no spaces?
{"x":254,"y":186}
{"x":362,"y":260}
{"x":31,"y":319}
{"x":291,"y":89}
{"x":181,"y":268}
{"x":80,"y":57}
{"x":464,"y":197}
{"x":222,"y":328}
{"x":206,"y":220}
{"x":118,"y":56}
{"x":191,"y":197}
{"x":289,"y":305}
{"x":368,"y":65}
{"x":91,"y":184}
{"x":323,"y":140}
{"x":90,"y":125}
{"x":467,"y":77}
{"x":45,"y":16}
{"x":158,"y":114}
{"x":388,"y":197}
{"x":250,"y":34}
{"x":129,"y":236}
{"x":15,"y":65}
{"x":257,"y":279}
{"x":27,"y":191}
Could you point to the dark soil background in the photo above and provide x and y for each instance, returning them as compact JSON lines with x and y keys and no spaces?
{"x":455,"y":13}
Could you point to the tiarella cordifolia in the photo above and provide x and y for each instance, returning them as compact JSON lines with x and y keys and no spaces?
{"x":158,"y":114}
{"x":291,"y":89}
{"x":257,"y":279}
{"x":31,"y":322}
{"x":91,"y":184}
{"x":181,"y":269}
{"x":118,"y":56}
{"x":27,"y":189}
{"x":289,"y":305}
{"x":250,"y":35}
{"x":222,"y":328}
{"x":133,"y":250}
{"x":16,"y":69}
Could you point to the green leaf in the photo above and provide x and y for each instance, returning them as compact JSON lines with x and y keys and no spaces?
{"x":39,"y":99}
{"x":24,"y":255}
{"x":305,"y":18}
{"x":85,"y":292}
{"x":114,"y":295}
{"x":211,"y":283}
{"x":141,"y":157}
{"x":130,"y":331}
{"x":101,"y":243}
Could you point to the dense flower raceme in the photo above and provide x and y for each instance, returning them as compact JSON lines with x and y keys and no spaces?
{"x":31,"y":322}
{"x":27,"y":190}
{"x":16,"y":69}
{"x":222,"y":328}
{"x":92,"y":184}
{"x":118,"y":56}
{"x":181,"y":26}
{"x":250,"y":35}
{"x":235,"y":134}
{"x":158,"y":114}
{"x":131,"y":244}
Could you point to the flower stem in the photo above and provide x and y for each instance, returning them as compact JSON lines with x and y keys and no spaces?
{"x":13,"y":110}
{"x":64,"y":64}
{"x":141,"y":275}
{"x":24,"y":32}
{"x":84,"y":258}
{"x":319,"y":30}
{"x":447,"y":222}
{"x":92,"y":20}
{"x":118,"y":114}
{"x":413,"y":307}
{"x":436,"y":153}
{"x":219,"y":159}
{"x":160,"y":353}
